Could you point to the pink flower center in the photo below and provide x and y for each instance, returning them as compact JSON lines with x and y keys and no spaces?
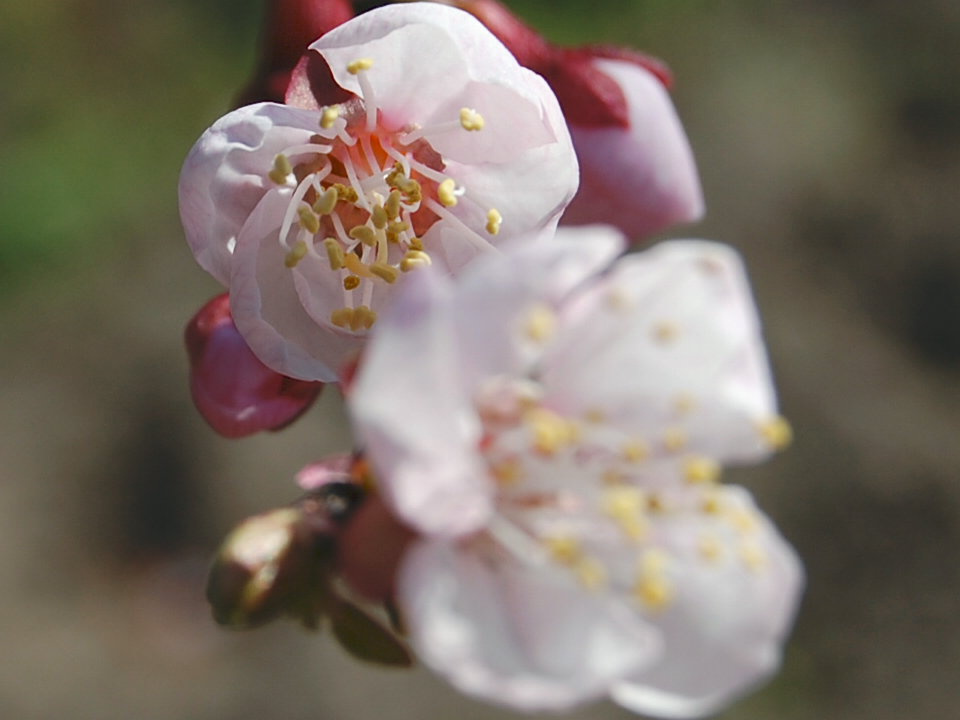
{"x":363,"y":196}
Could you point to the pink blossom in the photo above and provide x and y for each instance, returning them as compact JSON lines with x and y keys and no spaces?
{"x":309,"y":214}
{"x":236,"y":393}
{"x":555,"y":434}
{"x":637,"y":168}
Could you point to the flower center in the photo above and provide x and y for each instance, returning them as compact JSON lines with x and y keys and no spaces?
{"x":583,"y":496}
{"x":363,"y":194}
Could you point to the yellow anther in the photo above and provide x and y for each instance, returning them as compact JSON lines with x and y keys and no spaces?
{"x":329,"y":116}
{"x":627,"y":506}
{"x":744,"y":520}
{"x":470,"y":119}
{"x":327,"y":201}
{"x":445,"y":191}
{"x":347,"y":193}
{"x":541,"y":322}
{"x":591,"y":574}
{"x":753,"y":556}
{"x":684,"y":403}
{"x":335,"y":253}
{"x":665,"y":332}
{"x":359,"y":65}
{"x":296,"y":254}
{"x":352,"y":263}
{"x":281,"y":169}
{"x":398,"y":226}
{"x":415,"y":243}
{"x":635,"y":451}
{"x":342,"y":317}
{"x":385,"y":272}
{"x":701,"y":470}
{"x":494,"y":219}
{"x":308,"y":220}
{"x":655,"y":503}
{"x":551,"y":432}
{"x":564,"y":549}
{"x":351,"y":282}
{"x":393,"y":177}
{"x":777,"y":432}
{"x":710,"y":548}
{"x":507,"y":472}
{"x":624,"y":501}
{"x":712,"y":504}
{"x":392,"y":205}
{"x":654,"y":562}
{"x":379,"y":217}
{"x":414,"y":259}
{"x":594,"y":416}
{"x":364,"y":233}
{"x":674,"y":439}
{"x":363,"y":318}
{"x":654,"y":592}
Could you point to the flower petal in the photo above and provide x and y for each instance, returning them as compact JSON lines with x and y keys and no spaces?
{"x":518,"y":636}
{"x":268,"y":310}
{"x":497,"y":294}
{"x":735,"y":591}
{"x":669,"y":341}
{"x":225,"y":176}
{"x":414,"y":418}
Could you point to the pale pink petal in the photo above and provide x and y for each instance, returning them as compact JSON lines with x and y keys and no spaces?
{"x":669,"y":341}
{"x":501,"y":297}
{"x":225,"y":176}
{"x":642,"y":178}
{"x":413,"y":417}
{"x":450,"y":48}
{"x":518,"y":636}
{"x":734,"y":585}
{"x":267,"y":309}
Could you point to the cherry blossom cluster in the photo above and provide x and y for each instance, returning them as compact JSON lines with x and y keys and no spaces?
{"x":533,"y":505}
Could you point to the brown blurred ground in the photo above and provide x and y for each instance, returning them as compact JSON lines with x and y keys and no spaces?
{"x":828,"y":137}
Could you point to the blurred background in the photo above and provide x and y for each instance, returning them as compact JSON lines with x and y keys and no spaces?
{"x":828,"y":140}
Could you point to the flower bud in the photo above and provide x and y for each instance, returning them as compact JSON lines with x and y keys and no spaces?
{"x":264,"y":566}
{"x":236,"y":393}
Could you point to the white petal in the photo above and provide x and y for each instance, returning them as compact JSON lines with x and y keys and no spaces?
{"x":414,"y":418}
{"x":267,"y":309}
{"x":225,"y":176}
{"x":497,"y":294}
{"x":669,"y":341}
{"x":642,"y":178}
{"x":522,"y":637}
{"x":724,"y":626}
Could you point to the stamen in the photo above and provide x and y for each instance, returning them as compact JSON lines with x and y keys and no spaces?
{"x":364,"y":233}
{"x":335,"y":253}
{"x":308,"y":220}
{"x":414,"y":259}
{"x":327,"y":201}
{"x":701,"y":470}
{"x":446,"y":194}
{"x":384,"y":272}
{"x":359,"y":65}
{"x":296,"y":254}
{"x":342,"y":317}
{"x":352,"y":263}
{"x":281,"y":169}
{"x":379,"y":217}
{"x":350,"y":282}
{"x":777,"y":432}
{"x":363,"y":318}
{"x":392,"y":205}
{"x":292,"y":208}
{"x":329,"y":116}
{"x":471,"y":120}
{"x":494,"y":219}
{"x":478,"y":242}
